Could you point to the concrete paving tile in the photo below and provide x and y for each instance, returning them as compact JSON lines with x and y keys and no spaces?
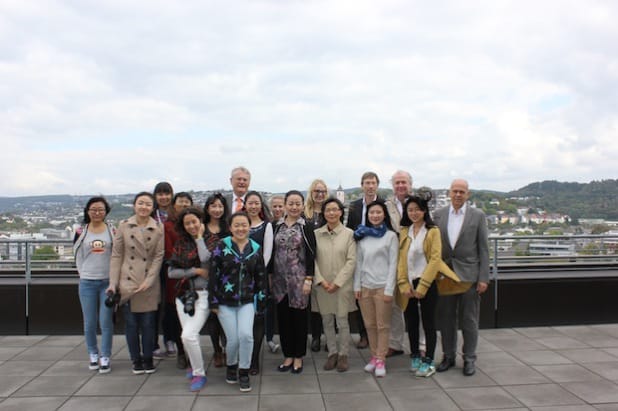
{"x":562,"y":343}
{"x":517,"y":343}
{"x":242,"y":401}
{"x":62,"y":341}
{"x":216,"y":385}
{"x":8,"y":353}
{"x":607,"y":407}
{"x":541,"y":357}
{"x":497,"y":359}
{"x":516,"y":374}
{"x":542,"y":395}
{"x":454,"y":378}
{"x":32,"y":403}
{"x":581,"y":407}
{"x":112,"y":385}
{"x":539,"y":332}
{"x":300,"y":402}
{"x":407,"y":381}
{"x":164,"y":385}
{"x":11,"y":383}
{"x":348,"y":382}
{"x":594,"y":392}
{"x":167,"y":402}
{"x":602,"y":342}
{"x":421,"y":400}
{"x":24,"y":368}
{"x":38,"y":353}
{"x":492,"y":333}
{"x":483,"y":397}
{"x":356,"y":364}
{"x":612,"y":351}
{"x":609,"y":329}
{"x":607,"y":370}
{"x":21,"y":340}
{"x":355,"y":401}
{"x":567,"y":373}
{"x":51,"y":386}
{"x":95,"y":404}
{"x":289,"y":384}
{"x":484,"y":346}
{"x":64,"y":368}
{"x":587,"y":355}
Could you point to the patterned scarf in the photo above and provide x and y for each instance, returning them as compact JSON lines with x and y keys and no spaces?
{"x":185,"y":254}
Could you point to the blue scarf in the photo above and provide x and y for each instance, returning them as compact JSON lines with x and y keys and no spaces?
{"x":363,"y":231}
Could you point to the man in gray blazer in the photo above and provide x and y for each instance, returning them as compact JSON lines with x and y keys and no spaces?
{"x":465,"y":249}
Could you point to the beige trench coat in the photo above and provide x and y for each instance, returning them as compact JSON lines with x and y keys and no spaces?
{"x":136,"y":258}
{"x":335,"y":262}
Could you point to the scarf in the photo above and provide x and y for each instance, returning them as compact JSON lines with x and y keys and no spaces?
{"x":185,"y":254}
{"x":363,"y":231}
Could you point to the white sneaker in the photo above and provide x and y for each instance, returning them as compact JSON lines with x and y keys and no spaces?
{"x":94,"y":362}
{"x":380,"y":368}
{"x":371,"y":365}
{"x":171,"y":349}
{"x":105,"y":366}
{"x":274,"y":347}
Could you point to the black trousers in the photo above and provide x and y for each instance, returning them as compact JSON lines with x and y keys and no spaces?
{"x":428,"y":313}
{"x":292,"y":329}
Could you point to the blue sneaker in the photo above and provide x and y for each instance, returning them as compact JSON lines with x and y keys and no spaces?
{"x":189,"y":373}
{"x":415,"y":364}
{"x":426,"y":370}
{"x":198,"y":382}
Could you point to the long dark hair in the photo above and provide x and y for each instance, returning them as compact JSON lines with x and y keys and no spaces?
{"x":223,"y":227}
{"x":423,"y":204}
{"x":265,"y":211}
{"x":387,"y":218}
{"x":179,"y":225}
{"x":92,"y":200}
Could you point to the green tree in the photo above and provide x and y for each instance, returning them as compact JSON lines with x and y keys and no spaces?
{"x":46,"y":252}
{"x":599,"y":229}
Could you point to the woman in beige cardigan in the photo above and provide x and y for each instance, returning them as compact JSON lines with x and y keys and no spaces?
{"x":420,"y":261}
{"x":134,"y":272}
{"x":334,"y":275}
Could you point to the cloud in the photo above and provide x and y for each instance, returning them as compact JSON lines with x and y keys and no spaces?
{"x":109,"y":97}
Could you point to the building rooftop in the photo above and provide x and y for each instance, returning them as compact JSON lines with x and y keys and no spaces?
{"x":541,"y":368}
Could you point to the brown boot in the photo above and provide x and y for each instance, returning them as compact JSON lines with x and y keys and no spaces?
{"x":342,"y":363}
{"x":362,"y":343}
{"x":218,"y":360}
{"x":331,"y":362}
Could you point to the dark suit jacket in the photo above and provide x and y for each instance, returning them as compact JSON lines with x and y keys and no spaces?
{"x":230,"y":205}
{"x":355,"y":213}
{"x":470,"y":257}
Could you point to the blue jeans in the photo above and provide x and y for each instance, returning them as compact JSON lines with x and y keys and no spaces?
{"x":237,"y":323}
{"x":92,"y":298}
{"x":139,"y":324}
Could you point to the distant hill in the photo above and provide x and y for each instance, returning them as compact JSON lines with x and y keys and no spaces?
{"x":597,"y":199}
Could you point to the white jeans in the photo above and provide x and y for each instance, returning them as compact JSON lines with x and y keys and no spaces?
{"x":237,"y":323}
{"x":191,"y":326}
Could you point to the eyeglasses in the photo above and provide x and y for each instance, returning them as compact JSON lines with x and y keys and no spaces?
{"x":332,"y":210}
{"x":96,"y":210}
{"x":319,"y":191}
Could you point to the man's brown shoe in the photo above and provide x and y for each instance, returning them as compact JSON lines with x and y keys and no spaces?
{"x":362,"y":343}
{"x":342,"y":363}
{"x":218,"y":360}
{"x":331,"y":362}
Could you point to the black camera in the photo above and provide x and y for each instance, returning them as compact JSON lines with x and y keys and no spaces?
{"x":112,"y":299}
{"x":188,"y":299}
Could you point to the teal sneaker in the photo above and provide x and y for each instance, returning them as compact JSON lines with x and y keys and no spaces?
{"x":415,"y":364}
{"x":426,"y":370}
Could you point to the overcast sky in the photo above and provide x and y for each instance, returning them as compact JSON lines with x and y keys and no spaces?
{"x":112,"y":96}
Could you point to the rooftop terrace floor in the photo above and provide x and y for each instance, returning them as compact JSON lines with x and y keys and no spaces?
{"x":545,"y":368}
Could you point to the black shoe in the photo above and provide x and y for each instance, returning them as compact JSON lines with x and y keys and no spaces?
{"x":297,"y":370}
{"x":284,"y":368}
{"x":469,"y":368}
{"x":231,"y":375}
{"x":445,"y":364}
{"x":315,"y":345}
{"x":149,"y":366}
{"x":243,"y":380}
{"x":138,"y":367}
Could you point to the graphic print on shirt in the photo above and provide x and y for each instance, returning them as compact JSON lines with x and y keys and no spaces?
{"x":98,"y":246}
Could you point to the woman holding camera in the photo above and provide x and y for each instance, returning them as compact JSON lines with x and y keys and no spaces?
{"x":188,"y":261}
{"x":137,"y":255}
{"x":93,"y":249}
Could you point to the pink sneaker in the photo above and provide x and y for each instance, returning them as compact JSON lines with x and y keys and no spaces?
{"x":371,"y":365}
{"x":380,"y":368}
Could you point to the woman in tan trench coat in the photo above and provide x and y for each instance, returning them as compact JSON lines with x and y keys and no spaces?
{"x":333,"y":294}
{"x":134,"y":272}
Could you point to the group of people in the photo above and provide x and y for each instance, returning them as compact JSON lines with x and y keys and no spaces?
{"x":237,"y":263}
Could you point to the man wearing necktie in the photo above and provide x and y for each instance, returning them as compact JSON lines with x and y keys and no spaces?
{"x":240,"y":180}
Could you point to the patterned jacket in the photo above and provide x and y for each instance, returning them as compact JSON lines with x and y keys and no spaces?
{"x":237,"y":279}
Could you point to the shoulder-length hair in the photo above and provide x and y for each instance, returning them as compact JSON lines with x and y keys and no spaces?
{"x":265,"y":211}
{"x":223,"y":227}
{"x":423,"y":205}
{"x":179,"y":225}
{"x":339,"y":204}
{"x":309,"y":204}
{"x":92,"y":200}
{"x":387,"y":218}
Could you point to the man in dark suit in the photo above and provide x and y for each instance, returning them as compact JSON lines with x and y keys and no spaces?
{"x":465,"y":249}
{"x":240,"y":179}
{"x":356,"y":217}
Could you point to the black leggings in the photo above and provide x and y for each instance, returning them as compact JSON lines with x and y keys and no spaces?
{"x":428,"y":313}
